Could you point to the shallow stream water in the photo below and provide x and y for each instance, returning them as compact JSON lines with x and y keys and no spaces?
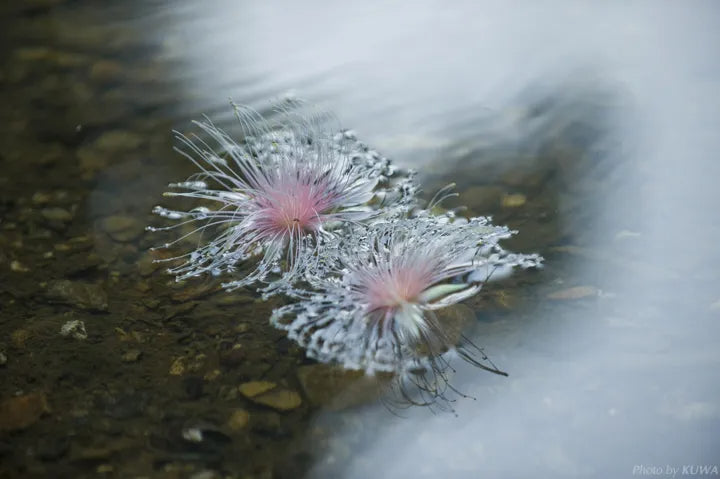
{"x":591,"y":128}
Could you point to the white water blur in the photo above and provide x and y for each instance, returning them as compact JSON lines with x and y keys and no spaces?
{"x":629,"y":380}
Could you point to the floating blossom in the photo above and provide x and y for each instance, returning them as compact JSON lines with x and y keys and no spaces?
{"x":276,"y":194}
{"x":374,"y":308}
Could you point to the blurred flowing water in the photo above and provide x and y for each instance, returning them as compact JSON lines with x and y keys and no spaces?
{"x":589,"y":127}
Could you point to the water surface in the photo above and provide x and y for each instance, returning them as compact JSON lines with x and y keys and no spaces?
{"x":590,"y":128}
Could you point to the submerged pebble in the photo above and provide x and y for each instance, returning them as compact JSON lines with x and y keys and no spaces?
{"x":19,"y":337}
{"x":118,"y":141}
{"x":41,"y":198}
{"x":254,"y":388}
{"x":122,"y":228}
{"x":514,"y":200}
{"x":21,"y":412}
{"x":147,"y":266}
{"x":74,"y":329}
{"x":235,"y":299}
{"x":18,"y":267}
{"x":279,"y":399}
{"x":79,"y":294}
{"x":238,"y":419}
{"x":131,"y":356}
{"x":177,"y":368}
{"x":233,"y":357}
{"x":110,"y":148}
{"x":338,"y":388}
{"x":56,"y":214}
{"x":268,"y":394}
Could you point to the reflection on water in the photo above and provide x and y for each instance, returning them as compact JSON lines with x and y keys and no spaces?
{"x":589,"y":128}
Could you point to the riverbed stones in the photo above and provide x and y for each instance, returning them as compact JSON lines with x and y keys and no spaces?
{"x":146,"y":266}
{"x":234,"y":299}
{"x":279,"y":399}
{"x":79,"y":294}
{"x":238,"y":419}
{"x":74,"y":329}
{"x":19,"y":337}
{"x":269,"y":394}
{"x":455,"y":319}
{"x":122,"y":228}
{"x":255,"y":388}
{"x":233,"y":357}
{"x":131,"y":356}
{"x":118,"y":141}
{"x":17,"y":267}
{"x":41,"y":198}
{"x":60,"y":215}
{"x":21,"y":412}
{"x":177,"y":368}
{"x":338,"y":388}
{"x":109,"y":148}
{"x":514,"y":200}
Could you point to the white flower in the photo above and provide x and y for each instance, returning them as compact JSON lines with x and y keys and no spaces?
{"x":372,"y":304}
{"x":286,"y":184}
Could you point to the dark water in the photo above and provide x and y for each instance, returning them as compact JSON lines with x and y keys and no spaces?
{"x":590,"y":128}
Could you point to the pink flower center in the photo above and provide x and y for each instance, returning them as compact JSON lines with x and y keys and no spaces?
{"x":388,"y":290}
{"x":292,"y":209}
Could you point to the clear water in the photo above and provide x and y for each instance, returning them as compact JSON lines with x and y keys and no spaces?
{"x":589,"y":127}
